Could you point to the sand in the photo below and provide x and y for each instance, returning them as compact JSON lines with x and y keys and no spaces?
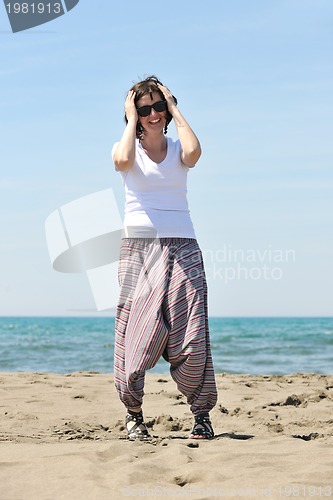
{"x":62,"y":437}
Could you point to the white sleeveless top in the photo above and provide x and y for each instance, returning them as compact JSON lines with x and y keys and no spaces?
{"x":156,"y":196}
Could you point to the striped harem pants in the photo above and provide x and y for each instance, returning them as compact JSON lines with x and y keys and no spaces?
{"x":162,"y":311}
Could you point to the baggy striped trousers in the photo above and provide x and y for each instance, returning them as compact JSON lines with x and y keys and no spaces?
{"x":162,"y":311}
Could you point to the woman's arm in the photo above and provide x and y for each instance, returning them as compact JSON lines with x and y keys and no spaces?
{"x":191,"y":149}
{"x":124,"y":154}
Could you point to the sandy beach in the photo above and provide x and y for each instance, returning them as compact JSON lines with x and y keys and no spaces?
{"x":62,"y":437}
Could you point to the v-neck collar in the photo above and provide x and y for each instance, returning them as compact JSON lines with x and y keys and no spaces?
{"x":166,"y":155}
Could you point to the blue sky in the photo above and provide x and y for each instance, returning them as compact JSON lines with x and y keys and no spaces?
{"x":255,"y":81}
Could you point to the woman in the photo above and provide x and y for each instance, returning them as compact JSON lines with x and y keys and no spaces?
{"x":162,"y":309}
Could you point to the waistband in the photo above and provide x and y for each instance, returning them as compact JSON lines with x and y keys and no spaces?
{"x":168,"y":242}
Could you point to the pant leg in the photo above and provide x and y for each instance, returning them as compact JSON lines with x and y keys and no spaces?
{"x":140,"y":333}
{"x":188,"y":348}
{"x":130,"y":263}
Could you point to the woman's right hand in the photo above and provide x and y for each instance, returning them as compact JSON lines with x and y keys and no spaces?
{"x":130,"y":108}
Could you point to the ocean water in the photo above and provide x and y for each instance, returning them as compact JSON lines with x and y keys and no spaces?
{"x":239,"y":345}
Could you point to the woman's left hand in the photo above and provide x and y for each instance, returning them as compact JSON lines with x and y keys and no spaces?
{"x":168,"y":97}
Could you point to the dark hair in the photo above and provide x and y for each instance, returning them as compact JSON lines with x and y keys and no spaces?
{"x":148,"y":86}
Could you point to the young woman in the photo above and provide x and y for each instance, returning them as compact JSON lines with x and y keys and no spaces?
{"x":162,"y":309}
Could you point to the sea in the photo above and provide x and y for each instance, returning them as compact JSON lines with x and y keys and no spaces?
{"x":273,"y":346}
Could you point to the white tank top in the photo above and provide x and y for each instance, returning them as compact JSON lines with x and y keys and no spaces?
{"x":156,"y":196}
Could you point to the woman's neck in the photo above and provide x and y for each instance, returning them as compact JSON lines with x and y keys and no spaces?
{"x":151,"y":143}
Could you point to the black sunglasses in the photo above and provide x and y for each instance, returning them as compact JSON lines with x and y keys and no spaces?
{"x":157,"y":106}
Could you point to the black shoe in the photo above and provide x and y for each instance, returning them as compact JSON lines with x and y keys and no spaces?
{"x":202,"y":427}
{"x":136,"y":428}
